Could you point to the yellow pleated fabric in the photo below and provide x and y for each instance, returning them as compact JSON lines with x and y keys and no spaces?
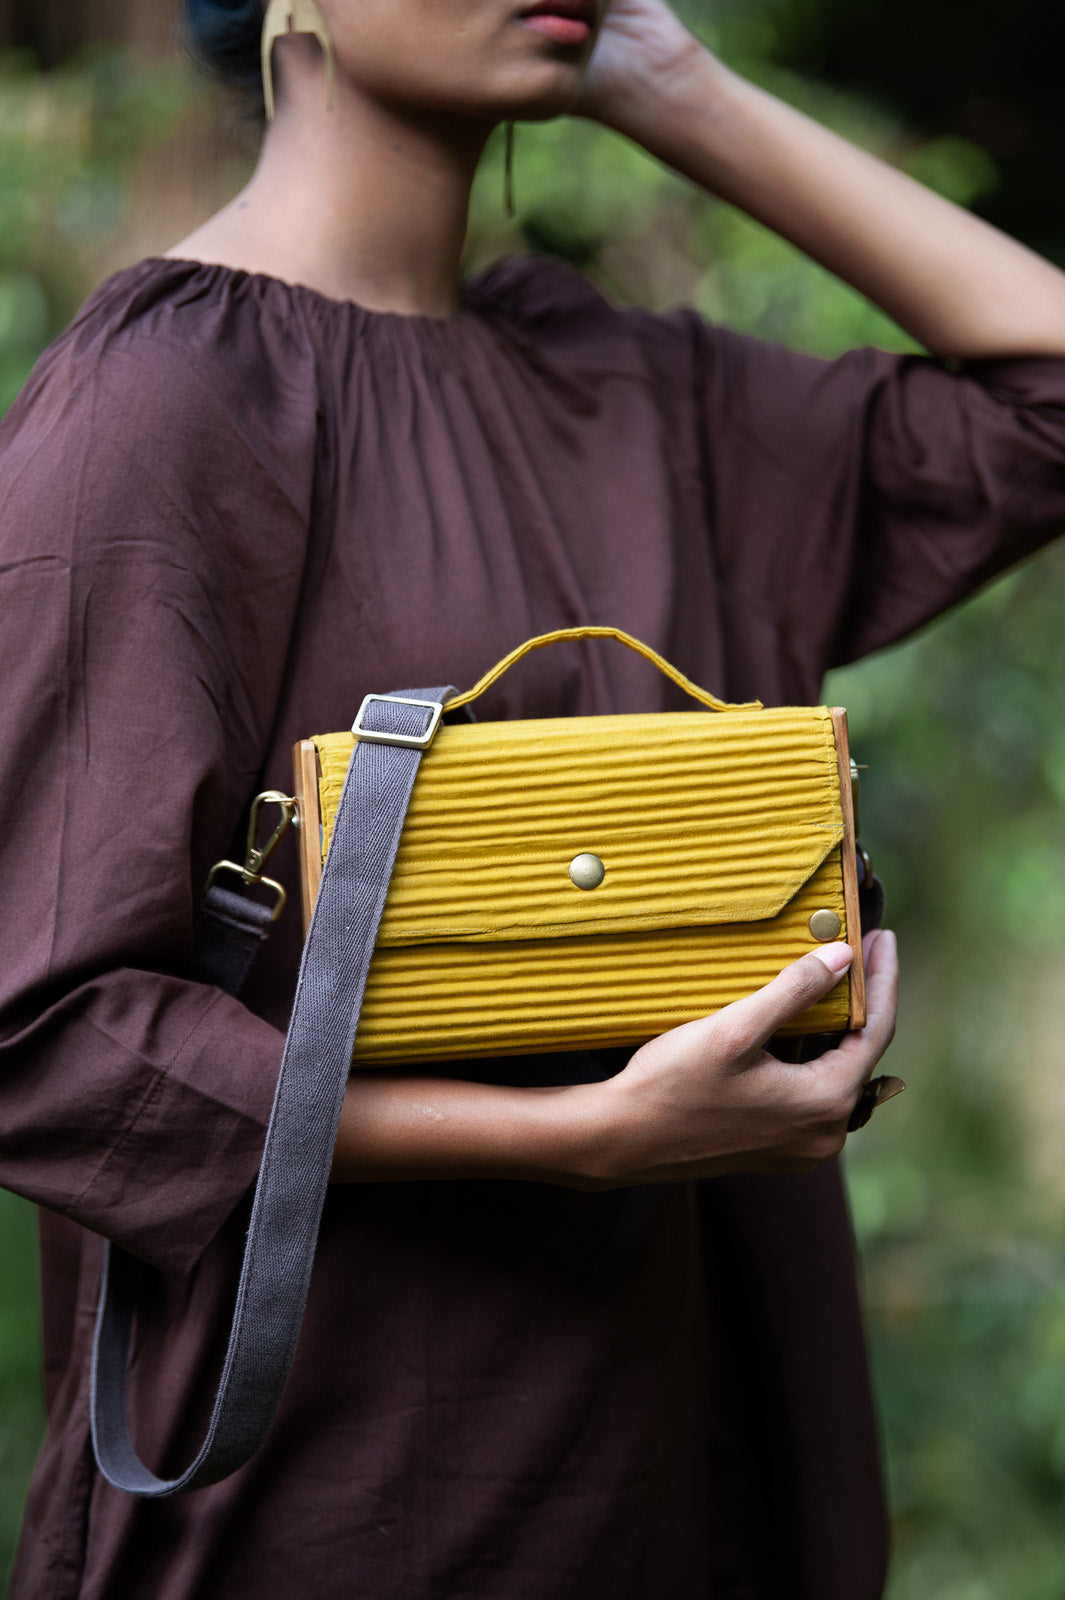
{"x":720,"y":833}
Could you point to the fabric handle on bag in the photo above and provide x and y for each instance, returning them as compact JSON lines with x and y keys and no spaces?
{"x":298,"y":1153}
{"x":576,"y":635}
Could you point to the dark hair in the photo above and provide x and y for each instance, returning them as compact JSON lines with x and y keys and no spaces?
{"x":225,"y":36}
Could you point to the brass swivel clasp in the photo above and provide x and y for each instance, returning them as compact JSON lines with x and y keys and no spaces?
{"x":256,"y":855}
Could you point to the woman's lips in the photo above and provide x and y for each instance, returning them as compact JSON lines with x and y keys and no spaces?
{"x":563,"y":30}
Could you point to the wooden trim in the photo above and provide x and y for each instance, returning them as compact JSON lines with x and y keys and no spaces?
{"x":850,"y":868}
{"x":306,"y":772}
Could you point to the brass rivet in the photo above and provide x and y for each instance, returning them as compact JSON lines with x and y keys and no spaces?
{"x":587,"y":871}
{"x":825,"y":926}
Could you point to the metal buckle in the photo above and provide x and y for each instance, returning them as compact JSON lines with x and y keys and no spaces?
{"x":404,"y":741}
{"x":256,"y":855}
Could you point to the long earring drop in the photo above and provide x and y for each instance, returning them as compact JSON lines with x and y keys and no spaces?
{"x":295,"y":16}
{"x":508,"y":174}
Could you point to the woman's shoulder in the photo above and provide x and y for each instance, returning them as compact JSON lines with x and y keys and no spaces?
{"x":562,"y":308}
{"x":164,"y":360}
{"x":159,"y":331}
{"x":539,"y":288}
{"x":157,"y":408}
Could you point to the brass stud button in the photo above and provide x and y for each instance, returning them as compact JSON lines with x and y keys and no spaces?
{"x":826,"y":926}
{"x":586,"y":871}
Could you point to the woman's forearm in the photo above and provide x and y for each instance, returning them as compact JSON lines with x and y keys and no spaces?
{"x":697,"y":1102}
{"x":394,"y":1128}
{"x":958,"y":285}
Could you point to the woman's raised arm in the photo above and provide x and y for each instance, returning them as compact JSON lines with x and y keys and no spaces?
{"x":960,"y":286}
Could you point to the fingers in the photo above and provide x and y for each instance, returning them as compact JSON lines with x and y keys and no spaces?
{"x":836,"y":1080}
{"x":858,"y":1054}
{"x":748,"y":1023}
{"x":881,"y":991}
{"x":704,"y":1098}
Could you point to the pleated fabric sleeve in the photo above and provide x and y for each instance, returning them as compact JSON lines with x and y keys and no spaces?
{"x":133,"y":1099}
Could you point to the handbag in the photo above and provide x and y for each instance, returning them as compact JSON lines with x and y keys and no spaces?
{"x":585,"y":882}
{"x":554,"y":884}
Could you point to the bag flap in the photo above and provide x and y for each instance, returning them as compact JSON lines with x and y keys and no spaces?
{"x":699,"y":818}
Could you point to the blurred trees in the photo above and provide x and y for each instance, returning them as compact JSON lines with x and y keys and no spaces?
{"x":70,"y":143}
{"x":958,"y":1189}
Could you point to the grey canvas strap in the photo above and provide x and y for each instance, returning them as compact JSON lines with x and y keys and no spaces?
{"x":298,"y":1154}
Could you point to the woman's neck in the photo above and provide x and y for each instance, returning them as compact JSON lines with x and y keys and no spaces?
{"x":360,"y":203}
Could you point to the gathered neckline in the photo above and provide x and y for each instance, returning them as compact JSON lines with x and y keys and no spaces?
{"x":471,"y":297}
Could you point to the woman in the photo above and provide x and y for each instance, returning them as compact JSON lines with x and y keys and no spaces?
{"x":295,"y":461}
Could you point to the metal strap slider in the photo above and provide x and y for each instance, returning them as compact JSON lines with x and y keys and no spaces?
{"x":405,"y":741}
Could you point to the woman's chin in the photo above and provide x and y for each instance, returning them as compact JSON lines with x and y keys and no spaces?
{"x":549,"y":92}
{"x":545,"y":110}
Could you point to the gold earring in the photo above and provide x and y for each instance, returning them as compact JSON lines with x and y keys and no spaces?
{"x":508,"y":174}
{"x":295,"y":16}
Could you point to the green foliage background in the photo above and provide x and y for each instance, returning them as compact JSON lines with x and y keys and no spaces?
{"x":958,"y":1190}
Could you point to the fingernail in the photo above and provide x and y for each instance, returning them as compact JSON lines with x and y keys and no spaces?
{"x":836,"y":957}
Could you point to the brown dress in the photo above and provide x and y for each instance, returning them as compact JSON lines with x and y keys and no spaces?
{"x":229,"y":508}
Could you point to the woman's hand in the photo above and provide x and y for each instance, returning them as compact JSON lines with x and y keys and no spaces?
{"x":702,"y":1100}
{"x":641,"y":44}
{"x":707,"y":1099}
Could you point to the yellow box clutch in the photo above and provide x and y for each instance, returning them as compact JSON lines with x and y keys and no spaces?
{"x":583,"y":882}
